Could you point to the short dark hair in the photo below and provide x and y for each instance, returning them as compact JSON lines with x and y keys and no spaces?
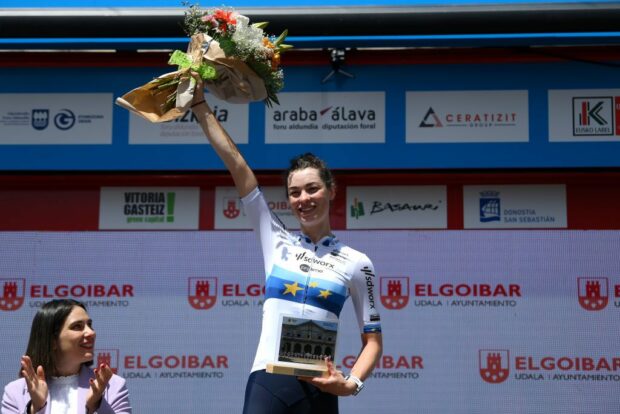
{"x":309,"y":160}
{"x":45,"y":330}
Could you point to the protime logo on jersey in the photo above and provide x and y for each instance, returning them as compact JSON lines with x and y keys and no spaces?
{"x":202,"y":293}
{"x":141,"y":366}
{"x":14,"y":292}
{"x":494,"y":367}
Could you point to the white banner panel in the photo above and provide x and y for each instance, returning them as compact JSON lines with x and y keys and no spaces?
{"x":584,"y":115}
{"x":467,"y":116}
{"x":55,"y":118}
{"x":486,"y":322}
{"x":514,"y":206}
{"x":149,"y":208}
{"x":326,"y":118}
{"x":396,"y":207}
{"x":229,"y":212}
{"x":186,"y":129}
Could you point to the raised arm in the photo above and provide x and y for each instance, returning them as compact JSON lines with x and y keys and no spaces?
{"x":242,"y":175}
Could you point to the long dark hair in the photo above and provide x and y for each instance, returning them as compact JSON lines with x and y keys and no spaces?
{"x":309,"y":160}
{"x":44,"y":333}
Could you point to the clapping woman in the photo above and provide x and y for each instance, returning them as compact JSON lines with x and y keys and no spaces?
{"x":55,"y":375}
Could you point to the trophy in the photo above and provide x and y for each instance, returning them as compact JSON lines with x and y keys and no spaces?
{"x":302,"y":347}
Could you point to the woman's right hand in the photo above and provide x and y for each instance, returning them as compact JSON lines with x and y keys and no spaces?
{"x":35,"y":381}
{"x":199,"y":91}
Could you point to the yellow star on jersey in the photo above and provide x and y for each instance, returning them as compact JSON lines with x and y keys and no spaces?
{"x":313,"y":284}
{"x":292,"y":288}
{"x":325,"y":293}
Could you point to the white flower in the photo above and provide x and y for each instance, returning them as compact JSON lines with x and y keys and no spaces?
{"x":247,"y":38}
{"x":242,"y":20}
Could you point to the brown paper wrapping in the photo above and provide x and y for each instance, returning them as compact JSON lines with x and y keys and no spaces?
{"x":235,"y":83}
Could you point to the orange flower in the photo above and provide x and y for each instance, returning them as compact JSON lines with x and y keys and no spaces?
{"x":275,"y":61}
{"x":226,"y":17}
{"x":267,"y":43}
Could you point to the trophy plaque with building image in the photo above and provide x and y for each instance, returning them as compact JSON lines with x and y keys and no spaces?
{"x":302,"y":347}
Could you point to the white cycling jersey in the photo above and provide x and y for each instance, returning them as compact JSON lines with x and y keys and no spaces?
{"x":307,"y":280}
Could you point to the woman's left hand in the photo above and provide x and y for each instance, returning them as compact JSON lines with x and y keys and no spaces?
{"x":333,"y":383}
{"x":97,"y":386}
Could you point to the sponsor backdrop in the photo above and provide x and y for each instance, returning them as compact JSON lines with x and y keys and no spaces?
{"x":254,"y":3}
{"x":485,"y":321}
{"x":389,"y":117}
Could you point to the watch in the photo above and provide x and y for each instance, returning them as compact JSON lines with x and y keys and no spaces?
{"x":357,"y":381}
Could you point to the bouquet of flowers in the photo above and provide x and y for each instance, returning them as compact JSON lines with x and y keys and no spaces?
{"x":237,"y":61}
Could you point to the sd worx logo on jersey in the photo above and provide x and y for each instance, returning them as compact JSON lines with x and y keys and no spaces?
{"x":63,"y":120}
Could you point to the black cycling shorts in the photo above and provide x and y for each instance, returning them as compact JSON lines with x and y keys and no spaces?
{"x":285,"y":394}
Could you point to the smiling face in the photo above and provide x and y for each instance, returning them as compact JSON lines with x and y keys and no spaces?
{"x":76,"y":342}
{"x":310,"y":198}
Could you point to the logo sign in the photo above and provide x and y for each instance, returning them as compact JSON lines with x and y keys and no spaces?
{"x":490,"y":206}
{"x":187,"y":130}
{"x":55,"y":118}
{"x":202,"y":292}
{"x":593,"y":116}
{"x":494,"y":365}
{"x":396,"y":207}
{"x":149,"y":208}
{"x":12,"y":294}
{"x":467,"y":116}
{"x":357,"y":208}
{"x":326,"y":118}
{"x":109,"y":357}
{"x":514,"y":206}
{"x":231,"y":208}
{"x":229,"y":214}
{"x":40,"y":119}
{"x":394,"y":292}
{"x":593,"y":292}
{"x":64,"y":119}
{"x":586,"y":115}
